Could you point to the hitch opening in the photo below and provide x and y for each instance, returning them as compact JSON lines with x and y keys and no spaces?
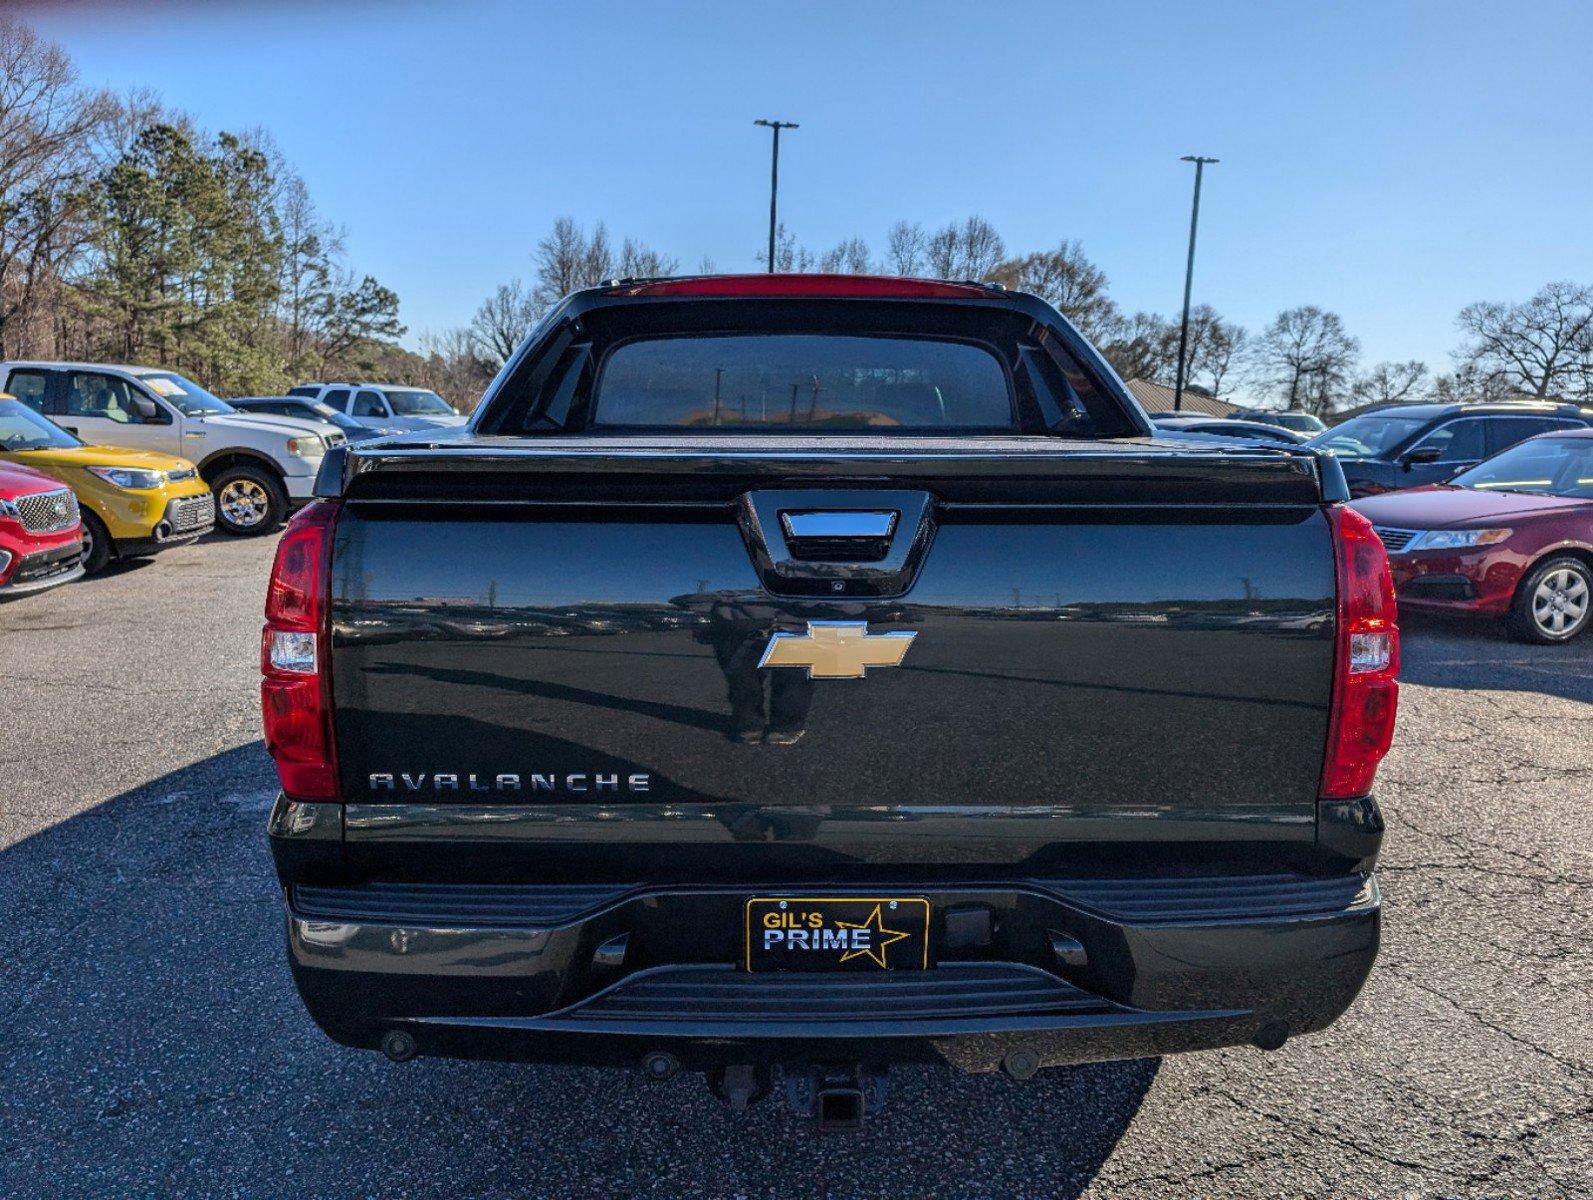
{"x":840,"y":1110}
{"x":835,"y":1099}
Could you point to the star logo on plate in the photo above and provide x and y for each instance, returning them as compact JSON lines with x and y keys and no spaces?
{"x":884,"y":937}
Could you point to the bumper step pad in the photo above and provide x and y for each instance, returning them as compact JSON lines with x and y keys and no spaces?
{"x":951,"y":990}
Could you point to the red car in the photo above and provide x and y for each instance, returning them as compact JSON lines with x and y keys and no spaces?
{"x":41,"y":534}
{"x":1512,"y":537}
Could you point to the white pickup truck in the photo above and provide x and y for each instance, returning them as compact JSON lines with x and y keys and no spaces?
{"x":259,"y":467}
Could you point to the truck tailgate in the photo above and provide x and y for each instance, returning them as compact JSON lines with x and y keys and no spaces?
{"x":1111,"y":647}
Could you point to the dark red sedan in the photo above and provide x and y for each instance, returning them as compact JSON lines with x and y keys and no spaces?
{"x":1512,"y":537}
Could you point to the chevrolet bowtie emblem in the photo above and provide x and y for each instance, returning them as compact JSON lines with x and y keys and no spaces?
{"x":836,"y":649}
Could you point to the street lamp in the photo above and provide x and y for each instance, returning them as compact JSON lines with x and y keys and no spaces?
{"x":774,"y":176}
{"x":1189,"y":278}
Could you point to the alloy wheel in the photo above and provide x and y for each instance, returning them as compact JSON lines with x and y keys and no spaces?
{"x":244,"y":503}
{"x":1560,"y":602}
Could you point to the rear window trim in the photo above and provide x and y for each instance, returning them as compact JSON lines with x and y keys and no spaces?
{"x":586,"y":405}
{"x":510,"y":404}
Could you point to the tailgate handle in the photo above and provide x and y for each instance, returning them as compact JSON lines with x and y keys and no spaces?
{"x":833,"y":524}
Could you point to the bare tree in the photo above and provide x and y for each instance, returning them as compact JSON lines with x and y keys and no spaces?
{"x":1307,"y":359}
{"x":1468,"y":383}
{"x":1067,"y":279}
{"x":637,"y":261}
{"x":1392,"y":383}
{"x":454,"y":367}
{"x":1216,"y":348}
{"x":1138,"y":348}
{"x":568,"y":259}
{"x":47,"y":128}
{"x":905,"y":248}
{"x":846,"y":258}
{"x":502,"y":321}
{"x":310,"y":248}
{"x":1543,"y":347}
{"x":971,"y":250}
{"x":788,"y":256}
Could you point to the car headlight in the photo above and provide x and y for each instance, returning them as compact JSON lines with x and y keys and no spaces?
{"x":128,"y":477}
{"x":307,"y":447}
{"x":1457,"y":539}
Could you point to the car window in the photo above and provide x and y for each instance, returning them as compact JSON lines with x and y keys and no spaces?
{"x":413,"y":402}
{"x":1504,"y":432}
{"x":23,"y":429}
{"x":1300,"y":422}
{"x":183,"y":394}
{"x":306,"y":389}
{"x":1458,"y":441}
{"x":280,"y":410}
{"x":1559,"y":466}
{"x":1367,"y":436}
{"x":336,"y":397}
{"x":90,"y":394}
{"x":803,"y":381}
{"x":28,"y":387}
{"x":369,"y":404}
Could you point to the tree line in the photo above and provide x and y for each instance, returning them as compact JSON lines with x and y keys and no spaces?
{"x":129,"y":234}
{"x":1303,"y":359}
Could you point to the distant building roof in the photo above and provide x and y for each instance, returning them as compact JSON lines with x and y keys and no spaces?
{"x":1156,"y":398}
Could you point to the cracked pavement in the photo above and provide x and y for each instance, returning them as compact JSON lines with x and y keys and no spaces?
{"x":151,"y":1041}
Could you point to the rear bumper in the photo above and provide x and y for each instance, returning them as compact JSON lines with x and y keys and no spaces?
{"x":1073,"y":970}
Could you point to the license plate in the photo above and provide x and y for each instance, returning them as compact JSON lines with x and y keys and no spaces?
{"x":845,"y":933}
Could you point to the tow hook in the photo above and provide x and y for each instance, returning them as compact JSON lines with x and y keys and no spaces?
{"x":836,"y":1099}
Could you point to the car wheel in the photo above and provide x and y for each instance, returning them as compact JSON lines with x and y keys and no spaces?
{"x":96,"y":544}
{"x":1554,"y":602}
{"x":248,"y":501}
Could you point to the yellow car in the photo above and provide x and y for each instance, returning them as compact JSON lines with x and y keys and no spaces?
{"x":134,"y":502}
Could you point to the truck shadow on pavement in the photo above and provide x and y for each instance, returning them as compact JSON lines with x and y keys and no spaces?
{"x":1473,"y":654}
{"x":151,"y":1043}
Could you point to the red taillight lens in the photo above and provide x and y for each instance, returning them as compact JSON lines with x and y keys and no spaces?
{"x":1366,"y":670}
{"x":862,"y":287}
{"x":295,"y":688}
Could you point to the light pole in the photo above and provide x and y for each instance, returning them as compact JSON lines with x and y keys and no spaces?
{"x":774,"y":176}
{"x":1189,"y":278}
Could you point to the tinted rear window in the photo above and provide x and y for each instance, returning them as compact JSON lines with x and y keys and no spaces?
{"x":802,"y":381}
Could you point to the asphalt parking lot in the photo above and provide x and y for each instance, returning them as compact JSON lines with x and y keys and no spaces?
{"x":151,"y":1041}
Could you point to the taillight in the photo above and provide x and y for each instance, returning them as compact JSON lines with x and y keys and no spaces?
{"x":1366,"y":670}
{"x":296,"y":687}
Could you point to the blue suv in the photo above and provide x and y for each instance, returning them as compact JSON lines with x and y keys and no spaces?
{"x":1408,"y":445}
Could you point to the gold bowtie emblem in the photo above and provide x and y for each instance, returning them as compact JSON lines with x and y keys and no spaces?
{"x":836,"y":649}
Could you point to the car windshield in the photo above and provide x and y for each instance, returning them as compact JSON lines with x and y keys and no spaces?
{"x":1300,"y":422}
{"x":326,"y":412}
{"x":1367,"y":437}
{"x":184,"y":394}
{"x":23,"y":429}
{"x":418,"y":404}
{"x":803,"y":381}
{"x":1550,"y":466}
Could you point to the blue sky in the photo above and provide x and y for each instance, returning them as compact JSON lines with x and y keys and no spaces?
{"x":1390,"y":161}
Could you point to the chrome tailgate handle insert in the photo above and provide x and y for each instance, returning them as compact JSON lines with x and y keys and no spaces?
{"x":836,"y":524}
{"x":838,"y":543}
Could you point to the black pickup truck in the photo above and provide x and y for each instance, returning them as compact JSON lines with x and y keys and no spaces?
{"x":786,"y":676}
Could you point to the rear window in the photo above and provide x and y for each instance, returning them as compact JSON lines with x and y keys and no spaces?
{"x":796,"y":381}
